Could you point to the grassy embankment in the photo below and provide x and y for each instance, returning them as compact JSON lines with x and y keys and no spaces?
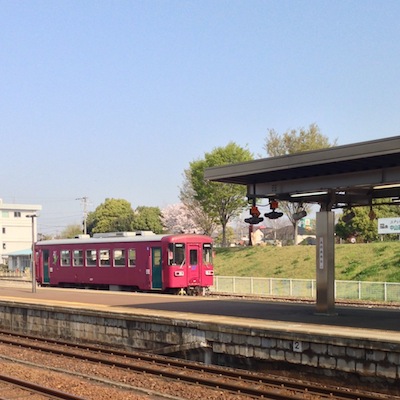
{"x":379,"y":262}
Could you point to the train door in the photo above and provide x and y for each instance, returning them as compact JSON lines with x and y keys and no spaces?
{"x":45,"y":263}
{"x":194,"y":264}
{"x":156,"y":269}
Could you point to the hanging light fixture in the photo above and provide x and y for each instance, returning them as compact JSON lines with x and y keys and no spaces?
{"x":371,"y":214}
{"x":348,"y":217}
{"x":273,"y":214}
{"x":300,"y":214}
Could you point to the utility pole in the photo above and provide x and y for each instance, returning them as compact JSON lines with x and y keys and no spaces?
{"x":33,"y":267}
{"x":84,"y":201}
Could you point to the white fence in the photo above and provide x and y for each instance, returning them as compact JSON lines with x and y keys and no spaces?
{"x":16,"y":274}
{"x":306,"y":288}
{"x":280,"y":287}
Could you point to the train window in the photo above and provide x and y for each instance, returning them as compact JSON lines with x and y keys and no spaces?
{"x":104,"y":258}
{"x":156,"y":257}
{"x":132,"y":257}
{"x":176,"y":254}
{"x":193,"y":257}
{"x":91,"y":258}
{"x":119,"y":258}
{"x":78,"y":258}
{"x":207,"y":253}
{"x":65,"y":258}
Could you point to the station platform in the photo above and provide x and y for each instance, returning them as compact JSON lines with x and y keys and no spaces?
{"x":369,"y":322}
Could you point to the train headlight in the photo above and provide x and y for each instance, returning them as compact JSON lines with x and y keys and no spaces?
{"x":179,"y":273}
{"x":209,"y":272}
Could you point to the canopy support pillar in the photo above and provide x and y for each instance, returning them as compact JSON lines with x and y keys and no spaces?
{"x":325,"y":263}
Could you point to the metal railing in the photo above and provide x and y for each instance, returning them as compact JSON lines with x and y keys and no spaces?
{"x":306,"y":288}
{"x":287,"y":287}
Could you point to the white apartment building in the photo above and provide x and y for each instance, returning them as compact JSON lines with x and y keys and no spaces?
{"x":16,"y":228}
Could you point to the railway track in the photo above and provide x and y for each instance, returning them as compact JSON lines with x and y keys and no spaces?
{"x":13,"y":388}
{"x":224,"y":379}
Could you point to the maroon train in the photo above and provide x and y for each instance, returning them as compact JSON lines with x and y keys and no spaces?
{"x":137,"y":261}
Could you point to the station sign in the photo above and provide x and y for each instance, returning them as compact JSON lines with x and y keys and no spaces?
{"x":389,"y":225}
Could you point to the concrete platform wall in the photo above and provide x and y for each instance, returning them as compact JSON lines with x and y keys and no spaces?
{"x":372,"y":359}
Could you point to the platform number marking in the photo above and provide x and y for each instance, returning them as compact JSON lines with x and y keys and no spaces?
{"x":321,"y":253}
{"x":297,"y":346}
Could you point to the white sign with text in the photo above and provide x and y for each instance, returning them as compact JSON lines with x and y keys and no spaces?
{"x":389,"y":225}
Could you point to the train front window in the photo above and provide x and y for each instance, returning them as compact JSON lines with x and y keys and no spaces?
{"x":193,"y":257}
{"x":176,"y":254}
{"x":207,"y":253}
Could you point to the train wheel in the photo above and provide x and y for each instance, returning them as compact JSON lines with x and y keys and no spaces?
{"x":197,"y":291}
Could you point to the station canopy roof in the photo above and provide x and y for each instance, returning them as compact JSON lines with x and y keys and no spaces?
{"x":340,"y":176}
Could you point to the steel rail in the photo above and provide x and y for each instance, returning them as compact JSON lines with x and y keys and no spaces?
{"x":248,"y":381}
{"x":33,"y":387}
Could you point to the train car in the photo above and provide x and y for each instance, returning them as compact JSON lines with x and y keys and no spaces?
{"x":181,"y":264}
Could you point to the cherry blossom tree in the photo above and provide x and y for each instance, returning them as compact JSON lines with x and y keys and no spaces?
{"x":177,"y":218}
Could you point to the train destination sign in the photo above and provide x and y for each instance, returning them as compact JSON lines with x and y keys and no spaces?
{"x":388,"y":225}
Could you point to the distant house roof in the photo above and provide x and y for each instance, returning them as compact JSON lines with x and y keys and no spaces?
{"x":26,"y":252}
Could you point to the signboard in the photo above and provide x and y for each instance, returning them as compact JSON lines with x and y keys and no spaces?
{"x":389,"y":225}
{"x":321,"y":253}
{"x":306,"y":223}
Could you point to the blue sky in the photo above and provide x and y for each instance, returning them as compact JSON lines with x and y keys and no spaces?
{"x":114,"y":99}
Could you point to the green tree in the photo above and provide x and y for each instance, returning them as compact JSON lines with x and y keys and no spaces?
{"x":45,"y":236}
{"x":71,"y":231}
{"x":147,"y":219}
{"x":114,"y":215}
{"x":292,"y":142}
{"x":364,"y":225}
{"x":230,"y":236}
{"x":201,"y":217}
{"x":219,"y":202}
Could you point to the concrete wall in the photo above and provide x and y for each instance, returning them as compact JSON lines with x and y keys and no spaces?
{"x":372,"y":359}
